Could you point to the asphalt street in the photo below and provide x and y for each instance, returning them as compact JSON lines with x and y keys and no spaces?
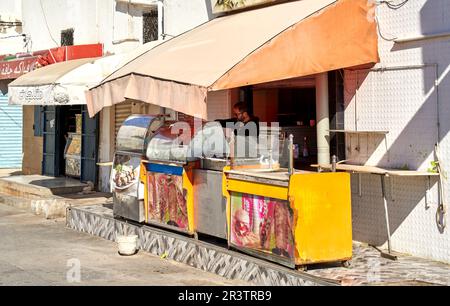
{"x":35,"y":251}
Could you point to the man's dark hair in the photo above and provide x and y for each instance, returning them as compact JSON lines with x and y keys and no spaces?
{"x":242,"y":107}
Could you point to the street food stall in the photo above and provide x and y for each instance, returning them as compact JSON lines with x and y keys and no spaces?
{"x":291,"y":217}
{"x":127,"y":176}
{"x":194,"y":183}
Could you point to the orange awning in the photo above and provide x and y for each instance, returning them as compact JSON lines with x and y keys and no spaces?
{"x":278,"y":42}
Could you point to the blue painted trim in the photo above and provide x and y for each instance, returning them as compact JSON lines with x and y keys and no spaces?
{"x":166,"y":169}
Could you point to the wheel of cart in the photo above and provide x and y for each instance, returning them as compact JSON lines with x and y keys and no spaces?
{"x":346,"y":264}
{"x":303,"y":268}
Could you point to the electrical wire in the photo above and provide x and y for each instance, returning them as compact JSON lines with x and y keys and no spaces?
{"x":13,"y":36}
{"x":381,"y":32}
{"x":392,"y":5}
{"x":46,"y":23}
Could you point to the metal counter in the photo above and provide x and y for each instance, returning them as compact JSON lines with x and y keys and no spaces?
{"x":209,"y":203}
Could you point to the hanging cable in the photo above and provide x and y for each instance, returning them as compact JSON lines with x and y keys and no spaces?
{"x":381,"y":33}
{"x":393,"y":5}
{"x":46,"y":23}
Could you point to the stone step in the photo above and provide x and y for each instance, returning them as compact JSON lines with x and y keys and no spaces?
{"x":37,"y":186}
{"x":54,"y":207}
{"x":50,"y":208}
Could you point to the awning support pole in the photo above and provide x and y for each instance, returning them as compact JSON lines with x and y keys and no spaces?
{"x":323,"y":121}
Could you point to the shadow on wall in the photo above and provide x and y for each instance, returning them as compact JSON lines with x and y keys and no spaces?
{"x":435,"y":18}
{"x":412,"y":117}
{"x":404,"y":194}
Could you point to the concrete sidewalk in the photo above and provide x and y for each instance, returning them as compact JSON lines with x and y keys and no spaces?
{"x":36,"y":251}
{"x":367,"y":267}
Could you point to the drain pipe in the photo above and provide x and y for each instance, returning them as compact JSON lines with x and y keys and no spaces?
{"x":323,"y":121}
{"x":161,"y":31}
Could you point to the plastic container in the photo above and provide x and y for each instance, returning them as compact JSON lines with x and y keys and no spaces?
{"x":127,"y":244}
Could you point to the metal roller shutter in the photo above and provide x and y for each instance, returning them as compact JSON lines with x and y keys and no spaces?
{"x":122,"y":112}
{"x":10,"y":134}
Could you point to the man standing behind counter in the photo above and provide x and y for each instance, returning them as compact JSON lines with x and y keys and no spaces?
{"x":242,"y":121}
{"x":244,"y":125}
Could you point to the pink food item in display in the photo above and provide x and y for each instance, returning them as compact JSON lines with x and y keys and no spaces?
{"x":241,"y":232}
{"x":151,"y":196}
{"x":181,"y":203}
{"x":161,"y":195}
{"x":247,"y":205}
{"x":283,"y":231}
{"x":172,"y":201}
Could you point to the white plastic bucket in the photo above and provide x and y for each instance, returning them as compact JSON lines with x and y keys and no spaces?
{"x":127,"y":244}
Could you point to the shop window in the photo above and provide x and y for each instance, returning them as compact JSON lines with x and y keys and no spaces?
{"x":67,"y":37}
{"x":150,"y":22}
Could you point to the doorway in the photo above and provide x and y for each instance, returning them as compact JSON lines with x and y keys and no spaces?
{"x":63,"y":124}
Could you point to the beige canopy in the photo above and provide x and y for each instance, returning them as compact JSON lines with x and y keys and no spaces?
{"x":278,"y":42}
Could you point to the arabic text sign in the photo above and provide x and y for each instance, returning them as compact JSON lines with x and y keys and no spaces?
{"x":53,"y":94}
{"x":14,"y":69}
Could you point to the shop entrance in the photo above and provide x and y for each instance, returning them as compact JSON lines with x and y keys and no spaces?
{"x":294,"y":108}
{"x":70,"y":142}
{"x":292,"y":103}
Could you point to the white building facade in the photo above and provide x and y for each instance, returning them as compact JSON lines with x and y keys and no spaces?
{"x":11,"y":39}
{"x":407,"y":95}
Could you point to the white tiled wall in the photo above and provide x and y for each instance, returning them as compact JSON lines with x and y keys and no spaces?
{"x":405,"y":102}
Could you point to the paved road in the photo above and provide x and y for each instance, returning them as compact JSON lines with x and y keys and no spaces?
{"x":35,"y":251}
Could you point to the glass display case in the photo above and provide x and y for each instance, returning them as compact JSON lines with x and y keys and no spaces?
{"x":126,"y":183}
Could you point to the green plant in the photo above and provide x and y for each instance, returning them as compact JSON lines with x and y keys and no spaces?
{"x":434,"y":167}
{"x":229,"y":4}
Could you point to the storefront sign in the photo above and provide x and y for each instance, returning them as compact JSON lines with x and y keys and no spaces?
{"x":16,"y":68}
{"x":222,"y":6}
{"x":38,"y":95}
{"x":262,"y":224}
{"x":47,"y":95}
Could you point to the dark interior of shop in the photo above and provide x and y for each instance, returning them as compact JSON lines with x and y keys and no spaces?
{"x":68,"y":125}
{"x":295,"y":111}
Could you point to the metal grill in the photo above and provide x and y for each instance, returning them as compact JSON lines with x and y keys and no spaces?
{"x":67,"y":37}
{"x":150,"y":26}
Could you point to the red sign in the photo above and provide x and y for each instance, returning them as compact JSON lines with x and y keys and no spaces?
{"x":15,"y":68}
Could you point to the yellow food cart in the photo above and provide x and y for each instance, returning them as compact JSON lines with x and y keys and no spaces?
{"x":294,"y":218}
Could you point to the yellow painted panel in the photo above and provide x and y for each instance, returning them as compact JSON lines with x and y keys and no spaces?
{"x":258,"y":189}
{"x":188,"y":184}
{"x":322,"y":217}
{"x":227,"y":195}
{"x":145,"y":182}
